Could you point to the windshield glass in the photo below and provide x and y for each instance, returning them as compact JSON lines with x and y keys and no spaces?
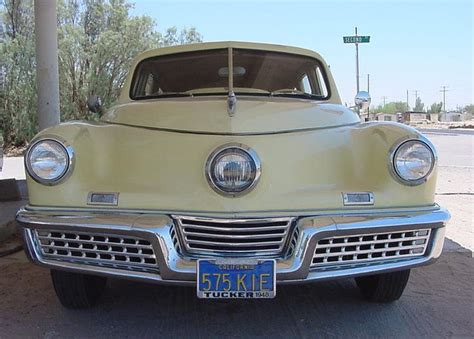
{"x":254,"y":72}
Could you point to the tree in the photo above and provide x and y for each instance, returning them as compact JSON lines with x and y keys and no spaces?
{"x":97,"y":40}
{"x":391,"y":107}
{"x":469,"y":108}
{"x":18,"y":89}
{"x":419,"y":106}
{"x":435,"y":108}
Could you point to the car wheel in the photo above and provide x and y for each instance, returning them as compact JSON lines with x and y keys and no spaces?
{"x":385,"y":287}
{"x":76,"y":290}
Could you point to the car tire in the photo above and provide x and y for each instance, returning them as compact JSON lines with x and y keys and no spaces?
{"x":75,"y":290}
{"x":383,"y":288}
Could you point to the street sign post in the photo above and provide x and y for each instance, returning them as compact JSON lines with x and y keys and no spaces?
{"x":357,"y":39}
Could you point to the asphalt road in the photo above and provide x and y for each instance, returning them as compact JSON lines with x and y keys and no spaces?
{"x":455,"y":188}
{"x":438,"y":302}
{"x":455,"y":147}
{"x":449,"y":131}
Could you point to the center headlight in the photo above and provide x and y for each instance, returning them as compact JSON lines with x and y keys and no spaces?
{"x":48,"y":161}
{"x":413,"y":161}
{"x":233,"y":169}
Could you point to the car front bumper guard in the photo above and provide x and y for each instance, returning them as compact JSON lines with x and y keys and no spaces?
{"x":174,"y":267}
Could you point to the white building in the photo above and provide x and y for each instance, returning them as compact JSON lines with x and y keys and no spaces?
{"x":451,"y":116}
{"x":386,"y":117}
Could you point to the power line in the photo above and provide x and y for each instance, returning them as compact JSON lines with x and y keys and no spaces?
{"x":444,"y":90}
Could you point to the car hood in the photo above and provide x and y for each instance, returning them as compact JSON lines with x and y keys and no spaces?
{"x":301,"y":173}
{"x":252,"y":115}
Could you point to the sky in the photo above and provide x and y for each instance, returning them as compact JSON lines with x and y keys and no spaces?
{"x":417,"y":45}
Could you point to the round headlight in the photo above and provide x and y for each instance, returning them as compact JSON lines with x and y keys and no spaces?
{"x":413,"y":161}
{"x":233,"y":169}
{"x":48,"y":161}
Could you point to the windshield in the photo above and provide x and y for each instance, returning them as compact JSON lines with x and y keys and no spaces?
{"x":254,"y":72}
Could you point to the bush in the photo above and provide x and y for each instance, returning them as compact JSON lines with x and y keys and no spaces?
{"x":97,"y":40}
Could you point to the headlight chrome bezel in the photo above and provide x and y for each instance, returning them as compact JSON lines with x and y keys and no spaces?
{"x":396,"y":148}
{"x":69,"y":151}
{"x":218,"y":151}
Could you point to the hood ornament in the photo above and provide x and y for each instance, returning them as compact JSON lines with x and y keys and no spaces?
{"x":231,"y":99}
{"x":231,"y":103}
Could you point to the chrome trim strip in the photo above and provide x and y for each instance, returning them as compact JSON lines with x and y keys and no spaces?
{"x":402,"y":210}
{"x":113,"y":203}
{"x":171,"y":130}
{"x":178,"y":269}
{"x":347,"y":202}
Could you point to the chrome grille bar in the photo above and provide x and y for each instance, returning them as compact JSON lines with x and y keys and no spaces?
{"x":109,"y":250}
{"x":233,"y":237}
{"x":362,"y":248}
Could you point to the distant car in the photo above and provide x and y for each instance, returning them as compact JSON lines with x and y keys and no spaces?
{"x":421,"y":122}
{"x":231,"y":167}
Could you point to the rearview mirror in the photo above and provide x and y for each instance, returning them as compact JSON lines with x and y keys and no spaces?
{"x":362,"y":100}
{"x":94,"y":104}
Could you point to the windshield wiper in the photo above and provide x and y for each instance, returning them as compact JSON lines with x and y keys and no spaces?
{"x":302,"y":95}
{"x":166,"y":95}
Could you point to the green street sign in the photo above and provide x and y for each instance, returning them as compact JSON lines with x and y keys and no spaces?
{"x":356,"y":39}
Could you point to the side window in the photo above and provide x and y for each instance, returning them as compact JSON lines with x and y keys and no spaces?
{"x":322,"y":88}
{"x":149,"y":84}
{"x":305,"y":85}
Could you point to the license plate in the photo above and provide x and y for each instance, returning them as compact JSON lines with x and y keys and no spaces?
{"x":236,"y":279}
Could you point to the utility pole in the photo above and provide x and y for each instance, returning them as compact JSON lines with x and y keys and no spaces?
{"x":444,"y":90}
{"x":408,"y":106}
{"x":47,"y":73}
{"x":357,"y":60}
{"x":416,"y":97}
{"x":368,"y":91}
{"x":383,"y":98}
{"x":415,"y":91}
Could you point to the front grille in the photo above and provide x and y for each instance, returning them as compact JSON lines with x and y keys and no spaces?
{"x":106,"y":250}
{"x":233,"y":237}
{"x":293,"y":242}
{"x":367,"y":248}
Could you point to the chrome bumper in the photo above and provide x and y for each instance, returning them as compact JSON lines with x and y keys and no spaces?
{"x":171,"y":265}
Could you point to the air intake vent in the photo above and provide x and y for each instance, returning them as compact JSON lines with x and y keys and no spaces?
{"x":109,"y":250}
{"x":363,"y":248}
{"x":233,"y":237}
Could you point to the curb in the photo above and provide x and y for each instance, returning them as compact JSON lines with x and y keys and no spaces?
{"x":9,"y":190}
{"x":13,"y":194}
{"x":7,"y":231}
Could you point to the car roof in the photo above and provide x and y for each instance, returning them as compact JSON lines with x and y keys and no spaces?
{"x":226,"y":44}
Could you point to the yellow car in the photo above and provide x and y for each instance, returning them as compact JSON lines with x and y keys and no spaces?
{"x":232,"y":167}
